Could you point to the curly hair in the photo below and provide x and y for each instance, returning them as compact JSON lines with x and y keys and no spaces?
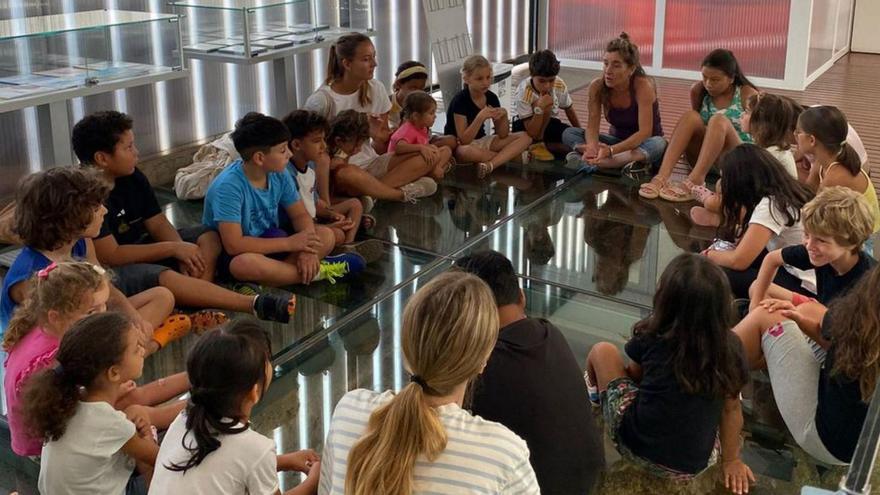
{"x":840,"y":213}
{"x":301,"y":123}
{"x":54,"y":207}
{"x":62,"y":289}
{"x":89,"y":348}
{"x":347,"y":126}
{"x":99,"y":131}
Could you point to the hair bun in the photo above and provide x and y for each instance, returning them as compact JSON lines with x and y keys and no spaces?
{"x":623,"y":35}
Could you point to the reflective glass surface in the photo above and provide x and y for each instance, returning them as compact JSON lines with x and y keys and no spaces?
{"x":47,"y":25}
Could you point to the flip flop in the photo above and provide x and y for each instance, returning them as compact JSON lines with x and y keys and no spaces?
{"x":676,"y":193}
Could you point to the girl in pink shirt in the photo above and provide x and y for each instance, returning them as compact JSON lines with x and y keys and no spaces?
{"x":414,"y":134}
{"x":60,"y":295}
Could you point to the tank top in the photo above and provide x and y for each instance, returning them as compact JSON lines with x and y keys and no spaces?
{"x":625,"y":121}
{"x":733,"y":113}
{"x":870,"y":194}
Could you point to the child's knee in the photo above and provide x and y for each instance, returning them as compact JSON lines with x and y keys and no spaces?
{"x":161,"y":297}
{"x":339,"y":237}
{"x":355,"y":208}
{"x":210,"y":244}
{"x":247,"y":266}
{"x":328,"y":238}
{"x":602,"y":351}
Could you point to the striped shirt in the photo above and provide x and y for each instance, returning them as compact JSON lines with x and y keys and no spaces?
{"x":525,"y":96}
{"x":480,"y":457}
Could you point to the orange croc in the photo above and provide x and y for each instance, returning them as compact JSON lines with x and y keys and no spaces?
{"x":173,"y":328}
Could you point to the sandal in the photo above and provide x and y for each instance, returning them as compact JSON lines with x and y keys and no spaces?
{"x":701,"y":193}
{"x":206,"y":319}
{"x":677,"y":193}
{"x":651,"y":190}
{"x":173,"y":328}
{"x":484,"y":169}
{"x":705,"y":218}
{"x":368,"y":221}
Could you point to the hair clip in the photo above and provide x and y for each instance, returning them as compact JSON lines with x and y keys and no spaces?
{"x":100,"y":269}
{"x":44,"y":273}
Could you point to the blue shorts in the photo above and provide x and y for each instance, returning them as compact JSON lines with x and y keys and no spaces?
{"x":654,"y":147}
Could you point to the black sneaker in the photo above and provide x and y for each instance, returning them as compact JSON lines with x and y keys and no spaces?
{"x":274,"y":307}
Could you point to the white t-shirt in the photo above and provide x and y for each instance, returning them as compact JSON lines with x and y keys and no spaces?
{"x":525,"y":96}
{"x":774,"y":220}
{"x":305,"y":183}
{"x":245,"y":464}
{"x":480,"y":457}
{"x":786,"y":158}
{"x":329,"y":103}
{"x":88,"y":459}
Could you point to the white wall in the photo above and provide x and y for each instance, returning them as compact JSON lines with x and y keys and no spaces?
{"x":866,"y":36}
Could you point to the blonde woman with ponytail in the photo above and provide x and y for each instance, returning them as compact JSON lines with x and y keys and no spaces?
{"x":420,"y":439}
{"x":372,"y":171}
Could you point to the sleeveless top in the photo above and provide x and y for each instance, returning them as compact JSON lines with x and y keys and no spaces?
{"x":625,"y":121}
{"x":733,"y":113}
{"x":870,"y":194}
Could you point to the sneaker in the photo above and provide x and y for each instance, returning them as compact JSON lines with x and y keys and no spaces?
{"x":573,"y":161}
{"x":335,"y":267}
{"x":246,"y":288}
{"x":420,"y":188}
{"x":592,"y":391}
{"x":540,"y":152}
{"x":367,"y":203}
{"x":274,"y":307}
{"x":370,"y":250}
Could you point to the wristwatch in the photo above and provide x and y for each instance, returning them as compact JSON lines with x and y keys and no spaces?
{"x":538,"y":110}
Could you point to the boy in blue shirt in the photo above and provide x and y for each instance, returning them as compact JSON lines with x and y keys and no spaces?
{"x":242,"y":205}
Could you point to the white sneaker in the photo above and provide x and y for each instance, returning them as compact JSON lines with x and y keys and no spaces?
{"x":420,"y":188}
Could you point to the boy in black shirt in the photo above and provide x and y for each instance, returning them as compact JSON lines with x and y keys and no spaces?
{"x":139,"y":242}
{"x":532,"y":359}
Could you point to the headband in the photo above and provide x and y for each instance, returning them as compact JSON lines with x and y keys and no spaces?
{"x":416,"y":69}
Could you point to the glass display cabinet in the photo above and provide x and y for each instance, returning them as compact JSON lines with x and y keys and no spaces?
{"x":47,"y":60}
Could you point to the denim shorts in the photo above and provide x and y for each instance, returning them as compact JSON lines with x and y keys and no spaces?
{"x":654,"y":147}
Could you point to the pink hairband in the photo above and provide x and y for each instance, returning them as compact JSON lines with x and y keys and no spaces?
{"x":44,"y":273}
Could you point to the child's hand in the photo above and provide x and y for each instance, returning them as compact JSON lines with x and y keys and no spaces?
{"x":140,"y":416}
{"x":808,"y":325}
{"x":737,"y":476}
{"x":307,"y":264}
{"x":429,"y":153}
{"x":343,"y":223}
{"x":302,"y":461}
{"x":545,"y":101}
{"x":191,"y":261}
{"x":126,"y":387}
{"x":499,"y":113}
{"x":602,"y":151}
{"x":486,"y":113}
{"x":306,"y":241}
{"x":379,"y":129}
{"x":772,"y":305}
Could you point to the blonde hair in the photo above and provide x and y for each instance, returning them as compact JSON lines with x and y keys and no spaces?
{"x":60,"y":287}
{"x":449,"y":329}
{"x":840,"y":213}
{"x":473,"y":63}
{"x":345,"y":48}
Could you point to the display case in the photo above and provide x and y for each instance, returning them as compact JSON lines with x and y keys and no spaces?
{"x":47,"y":60}
{"x":252,"y":31}
{"x":57,"y":57}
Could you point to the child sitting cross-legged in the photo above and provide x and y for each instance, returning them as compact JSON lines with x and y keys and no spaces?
{"x":414,"y":134}
{"x":242,"y":204}
{"x":211,"y":448}
{"x":310,"y":168}
{"x":139,"y":242}
{"x":91,"y":447}
{"x":668,"y":408}
{"x":59,"y":296}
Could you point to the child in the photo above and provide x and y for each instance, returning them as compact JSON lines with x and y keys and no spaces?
{"x":822,"y":132}
{"x":538,"y":101}
{"x":59,"y":296}
{"x":566,"y":448}
{"x":679,"y":393}
{"x":136,"y":238}
{"x":419,"y":439}
{"x":470,"y":109}
{"x":761,"y":210}
{"x":243,"y":202}
{"x":310,"y":168}
{"x":712,"y":126}
{"x":90,"y":446}
{"x":836,"y":224}
{"x":770,"y":120}
{"x":210,"y":448}
{"x":822,"y":365}
{"x":413,"y":136}
{"x":412,"y":76}
{"x":58,"y":212}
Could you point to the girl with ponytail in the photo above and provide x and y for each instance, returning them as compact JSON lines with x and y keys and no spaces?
{"x":210,"y":447}
{"x":420,"y":439}
{"x":91,"y":448}
{"x":822,"y":132}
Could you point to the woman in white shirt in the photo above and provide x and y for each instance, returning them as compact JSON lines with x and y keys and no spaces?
{"x":420,"y":440}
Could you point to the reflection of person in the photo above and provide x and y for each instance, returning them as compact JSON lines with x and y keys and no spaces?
{"x":537,"y":242}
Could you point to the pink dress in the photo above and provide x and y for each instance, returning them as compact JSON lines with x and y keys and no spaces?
{"x":409,"y":133}
{"x":35,"y":352}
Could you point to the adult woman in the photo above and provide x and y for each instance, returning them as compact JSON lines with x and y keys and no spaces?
{"x":712,"y":126}
{"x":628,"y":99}
{"x":350,"y":86}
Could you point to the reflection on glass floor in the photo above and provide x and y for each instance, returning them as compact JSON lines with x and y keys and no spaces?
{"x":589,"y":252}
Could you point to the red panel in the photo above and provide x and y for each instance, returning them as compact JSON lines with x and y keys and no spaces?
{"x":580,"y":29}
{"x":755,"y":30}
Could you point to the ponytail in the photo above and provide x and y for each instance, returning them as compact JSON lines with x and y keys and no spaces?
{"x":401,"y":430}
{"x":849,"y":158}
{"x":89,"y":348}
{"x":829,"y":126}
{"x":345,"y":48}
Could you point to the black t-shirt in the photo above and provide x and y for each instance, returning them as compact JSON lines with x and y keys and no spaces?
{"x":533,"y":385}
{"x":664,"y":424}
{"x":130,"y":204}
{"x":840,"y":412}
{"x":462,"y":104}
{"x":829,"y":284}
